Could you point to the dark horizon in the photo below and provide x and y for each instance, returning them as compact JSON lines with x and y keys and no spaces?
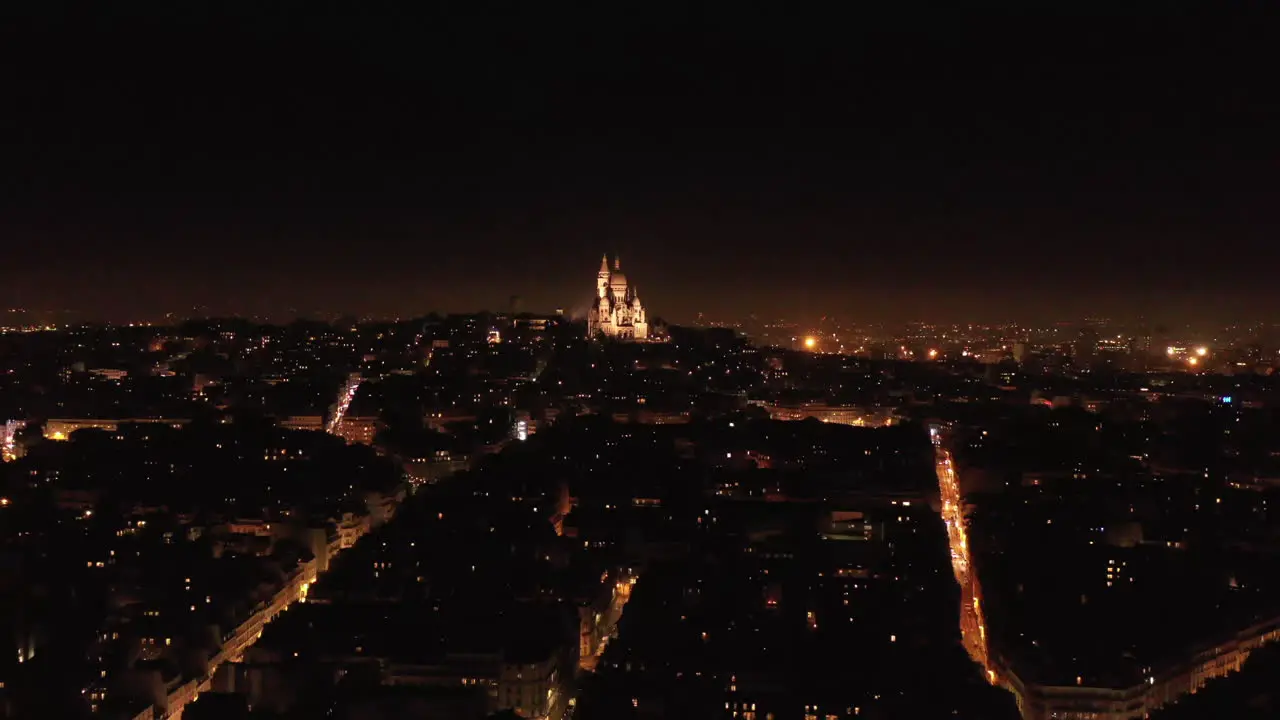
{"x":993,"y":165}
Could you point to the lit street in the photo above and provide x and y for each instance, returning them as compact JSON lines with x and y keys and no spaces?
{"x":972,"y":625}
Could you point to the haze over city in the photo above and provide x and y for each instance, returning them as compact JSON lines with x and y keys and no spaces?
{"x":922,"y":164}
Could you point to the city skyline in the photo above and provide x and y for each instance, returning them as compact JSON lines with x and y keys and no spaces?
{"x":518,"y":305}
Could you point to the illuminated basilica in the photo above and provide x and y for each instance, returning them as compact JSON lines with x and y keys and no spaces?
{"x":616,"y":312}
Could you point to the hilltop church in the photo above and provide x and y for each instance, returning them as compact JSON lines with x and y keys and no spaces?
{"x":616,"y":313}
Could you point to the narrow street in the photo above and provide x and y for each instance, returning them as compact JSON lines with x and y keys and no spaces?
{"x":608,"y":623}
{"x":973,"y":627}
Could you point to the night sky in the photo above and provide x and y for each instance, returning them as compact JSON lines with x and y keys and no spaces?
{"x":395,"y":160}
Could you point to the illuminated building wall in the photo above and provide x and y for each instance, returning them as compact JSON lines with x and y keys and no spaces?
{"x":838,"y":414}
{"x":303,"y":422}
{"x":61,"y":429}
{"x":358,"y":430}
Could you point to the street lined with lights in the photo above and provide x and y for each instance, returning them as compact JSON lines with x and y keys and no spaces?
{"x":973,"y":627}
{"x":8,"y":441}
{"x":345,"y":396}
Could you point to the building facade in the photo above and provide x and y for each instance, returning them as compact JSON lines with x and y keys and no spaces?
{"x":616,"y":312}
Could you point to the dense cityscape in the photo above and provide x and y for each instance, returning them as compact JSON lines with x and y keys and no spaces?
{"x":513,"y":514}
{"x":639,"y":361}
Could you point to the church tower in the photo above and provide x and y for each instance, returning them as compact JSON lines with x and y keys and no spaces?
{"x":602,"y":277}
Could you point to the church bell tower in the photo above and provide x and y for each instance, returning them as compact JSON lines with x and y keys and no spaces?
{"x":602,"y":277}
